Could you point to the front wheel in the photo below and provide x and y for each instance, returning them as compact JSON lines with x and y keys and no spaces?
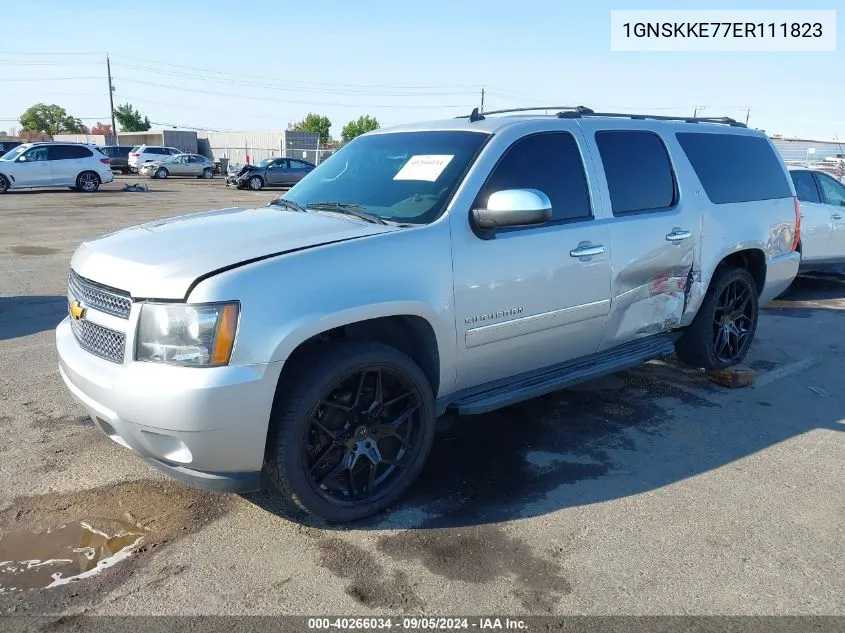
{"x":256,"y":183}
{"x":208,"y":173}
{"x":351,"y":431}
{"x":161,"y":173}
{"x":88,"y":182}
{"x":4,"y":184}
{"x":721,"y":333}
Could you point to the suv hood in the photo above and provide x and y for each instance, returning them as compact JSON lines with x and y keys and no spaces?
{"x":161,"y":259}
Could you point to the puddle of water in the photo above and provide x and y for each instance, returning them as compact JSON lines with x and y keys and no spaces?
{"x":57,"y":556}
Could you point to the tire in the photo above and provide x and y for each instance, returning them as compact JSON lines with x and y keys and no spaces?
{"x":208,"y":173}
{"x":88,"y":182}
{"x":4,"y":184}
{"x":162,"y":173}
{"x":301,"y":424}
{"x":703,"y":342}
{"x":256,"y":183}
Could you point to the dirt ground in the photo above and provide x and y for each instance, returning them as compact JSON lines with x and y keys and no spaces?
{"x":650,"y":492}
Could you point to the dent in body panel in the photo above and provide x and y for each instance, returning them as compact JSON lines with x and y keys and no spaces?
{"x":651,"y":295}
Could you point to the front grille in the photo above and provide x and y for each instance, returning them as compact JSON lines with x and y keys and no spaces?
{"x":92,"y":295}
{"x":100,"y":341}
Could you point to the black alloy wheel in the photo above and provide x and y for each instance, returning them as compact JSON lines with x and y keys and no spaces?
{"x":733,"y":321}
{"x":351,"y":432}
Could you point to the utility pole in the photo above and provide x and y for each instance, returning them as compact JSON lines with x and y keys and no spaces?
{"x":111,"y":100}
{"x":481,"y":109}
{"x":747,"y":115}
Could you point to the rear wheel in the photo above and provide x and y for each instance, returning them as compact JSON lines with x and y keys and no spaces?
{"x":722,"y":331}
{"x":87,"y":181}
{"x":256,"y":183}
{"x":351,"y":431}
{"x":162,"y":173}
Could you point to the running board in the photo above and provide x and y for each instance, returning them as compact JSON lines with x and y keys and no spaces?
{"x":542,"y":382}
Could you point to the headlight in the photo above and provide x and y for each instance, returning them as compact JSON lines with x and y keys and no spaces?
{"x":193,"y":335}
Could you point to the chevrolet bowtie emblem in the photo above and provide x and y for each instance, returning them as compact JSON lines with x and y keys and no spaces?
{"x":76,"y":310}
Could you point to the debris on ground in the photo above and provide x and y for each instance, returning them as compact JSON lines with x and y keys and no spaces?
{"x":734,"y":377}
{"x":135,"y":187}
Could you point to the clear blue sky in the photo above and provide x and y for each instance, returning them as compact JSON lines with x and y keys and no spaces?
{"x":263,"y":64}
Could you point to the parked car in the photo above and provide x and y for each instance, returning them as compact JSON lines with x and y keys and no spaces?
{"x":47,"y":164}
{"x":271,"y":172}
{"x":5,"y":146}
{"x":139,"y":155}
{"x":462,"y":265}
{"x":822,"y":200}
{"x":179,"y":165}
{"x":118,"y":155}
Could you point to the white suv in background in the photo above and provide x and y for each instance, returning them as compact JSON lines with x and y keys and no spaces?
{"x":47,"y":164}
{"x":141,"y":154}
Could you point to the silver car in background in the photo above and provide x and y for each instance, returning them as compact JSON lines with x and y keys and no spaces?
{"x":179,"y":165}
{"x":822,"y":200}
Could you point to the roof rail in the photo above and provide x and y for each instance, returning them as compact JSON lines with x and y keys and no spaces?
{"x":576,"y":112}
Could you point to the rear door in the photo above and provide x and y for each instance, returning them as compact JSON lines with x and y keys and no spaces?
{"x":195,"y":165}
{"x":816,"y":221}
{"x":654,"y":232}
{"x":833,"y":195}
{"x":298,"y":170}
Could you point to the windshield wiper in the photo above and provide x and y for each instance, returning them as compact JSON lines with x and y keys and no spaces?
{"x":349,"y":209}
{"x":290,"y":205}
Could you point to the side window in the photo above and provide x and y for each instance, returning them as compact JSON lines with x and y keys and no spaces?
{"x":805,"y":186}
{"x":735,"y":167}
{"x":298,"y":164}
{"x":833,"y":192}
{"x":174,"y":151}
{"x":638,"y":171}
{"x":282,"y":163}
{"x":61,"y":152}
{"x":549,"y":162}
{"x":36,"y":154}
{"x":75,"y":151}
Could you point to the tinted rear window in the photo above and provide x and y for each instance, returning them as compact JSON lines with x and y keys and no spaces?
{"x":639,"y":174}
{"x":735,"y":168}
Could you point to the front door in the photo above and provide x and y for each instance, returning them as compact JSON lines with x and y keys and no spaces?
{"x":816,"y":223}
{"x":33,"y":169}
{"x":534,"y":296}
{"x":276,"y":171}
{"x":833,"y":194}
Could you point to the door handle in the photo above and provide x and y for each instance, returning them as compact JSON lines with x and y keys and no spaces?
{"x":837,"y":216}
{"x":674,"y":236}
{"x":587,"y":250}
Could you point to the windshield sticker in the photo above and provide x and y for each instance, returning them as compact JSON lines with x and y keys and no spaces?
{"x":424,"y":167}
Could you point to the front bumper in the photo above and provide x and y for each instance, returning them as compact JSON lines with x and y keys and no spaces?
{"x":204,"y":426}
{"x":780,"y":273}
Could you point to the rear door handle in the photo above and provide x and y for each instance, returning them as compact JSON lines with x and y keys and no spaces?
{"x":588,"y":250}
{"x":674,"y":236}
{"x":837,"y":216}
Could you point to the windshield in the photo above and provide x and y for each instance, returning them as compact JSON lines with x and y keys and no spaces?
{"x":405,"y":177}
{"x":12,"y":154}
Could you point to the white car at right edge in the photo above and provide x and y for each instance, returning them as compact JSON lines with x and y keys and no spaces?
{"x":822,"y":200}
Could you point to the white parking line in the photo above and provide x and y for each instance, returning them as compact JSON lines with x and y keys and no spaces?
{"x":782,"y":372}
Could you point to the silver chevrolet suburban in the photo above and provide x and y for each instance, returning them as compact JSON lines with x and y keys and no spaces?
{"x":469,"y":264}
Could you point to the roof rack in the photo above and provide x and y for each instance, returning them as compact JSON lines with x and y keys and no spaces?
{"x":577,"y":112}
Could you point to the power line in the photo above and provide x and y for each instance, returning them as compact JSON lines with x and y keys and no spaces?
{"x":42,"y":79}
{"x":279,"y":100}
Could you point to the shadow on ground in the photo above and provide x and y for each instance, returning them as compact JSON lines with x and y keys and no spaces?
{"x":22,"y":316}
{"x":809,"y":293}
{"x":611,"y":438}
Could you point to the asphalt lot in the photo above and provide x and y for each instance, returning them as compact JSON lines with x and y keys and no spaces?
{"x":653,"y":491}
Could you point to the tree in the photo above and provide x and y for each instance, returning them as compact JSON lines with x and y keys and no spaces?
{"x":130,"y":119}
{"x":315,"y":123}
{"x":49,"y":119}
{"x":359,"y":126}
{"x":103,"y":129}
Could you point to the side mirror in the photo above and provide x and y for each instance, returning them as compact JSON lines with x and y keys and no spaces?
{"x":514,"y":207}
